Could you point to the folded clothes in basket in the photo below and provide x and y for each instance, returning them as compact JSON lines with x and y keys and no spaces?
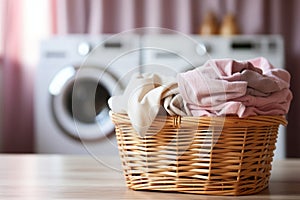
{"x":229,"y":87}
{"x":217,"y":88}
{"x":146,"y":96}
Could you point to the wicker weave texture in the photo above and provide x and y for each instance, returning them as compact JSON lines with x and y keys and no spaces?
{"x":200,"y":155}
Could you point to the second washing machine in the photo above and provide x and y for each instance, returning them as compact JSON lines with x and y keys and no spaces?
{"x":170,"y":54}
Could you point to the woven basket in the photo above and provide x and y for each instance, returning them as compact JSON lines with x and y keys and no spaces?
{"x":200,"y":155}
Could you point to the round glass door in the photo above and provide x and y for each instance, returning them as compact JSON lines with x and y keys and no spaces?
{"x":79,"y":102}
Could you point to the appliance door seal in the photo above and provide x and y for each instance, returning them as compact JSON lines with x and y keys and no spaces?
{"x":79,"y":102}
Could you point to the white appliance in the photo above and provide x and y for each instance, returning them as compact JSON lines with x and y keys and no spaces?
{"x":75,"y":77}
{"x":172,"y":53}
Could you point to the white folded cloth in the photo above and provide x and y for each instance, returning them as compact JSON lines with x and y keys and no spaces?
{"x":146,"y":96}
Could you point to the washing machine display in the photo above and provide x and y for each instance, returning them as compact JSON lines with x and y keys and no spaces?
{"x":179,"y":53}
{"x":76,"y":76}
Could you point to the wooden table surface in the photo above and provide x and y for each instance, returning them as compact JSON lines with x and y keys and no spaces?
{"x":40,"y":177}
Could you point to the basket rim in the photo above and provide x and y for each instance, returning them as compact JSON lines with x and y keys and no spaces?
{"x":260,"y":120}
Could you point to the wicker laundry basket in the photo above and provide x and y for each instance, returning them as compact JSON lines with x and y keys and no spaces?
{"x":200,"y":155}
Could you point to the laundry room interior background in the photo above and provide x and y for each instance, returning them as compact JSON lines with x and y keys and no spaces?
{"x":24,"y":23}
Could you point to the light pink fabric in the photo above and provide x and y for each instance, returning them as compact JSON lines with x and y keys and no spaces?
{"x":205,"y":85}
{"x":277,"y":103}
{"x":280,"y":77}
{"x":227,"y":108}
{"x":228,"y":87}
{"x":216,"y":82}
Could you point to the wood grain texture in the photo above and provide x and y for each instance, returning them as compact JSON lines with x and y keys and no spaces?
{"x":83,"y":177}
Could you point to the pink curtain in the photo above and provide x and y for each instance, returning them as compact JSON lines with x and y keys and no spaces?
{"x":113,"y":16}
{"x":18,"y":75}
{"x":17,"y":110}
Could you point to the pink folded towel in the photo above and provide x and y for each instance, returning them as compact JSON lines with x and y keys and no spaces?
{"x":277,"y":103}
{"x":229,"y":87}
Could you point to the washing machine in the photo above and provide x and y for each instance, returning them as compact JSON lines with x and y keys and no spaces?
{"x":170,"y":54}
{"x":75,"y":77}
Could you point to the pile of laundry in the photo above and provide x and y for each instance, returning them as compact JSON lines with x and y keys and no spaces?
{"x":220,"y":87}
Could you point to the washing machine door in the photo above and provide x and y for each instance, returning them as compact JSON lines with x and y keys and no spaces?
{"x":79,"y":102}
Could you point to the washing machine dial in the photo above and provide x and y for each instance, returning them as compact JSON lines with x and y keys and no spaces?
{"x":84,"y":48}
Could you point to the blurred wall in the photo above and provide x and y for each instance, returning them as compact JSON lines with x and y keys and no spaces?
{"x":1,"y":105}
